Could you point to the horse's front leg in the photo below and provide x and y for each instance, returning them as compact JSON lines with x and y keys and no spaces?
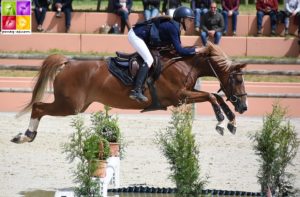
{"x":201,"y":96}
{"x":229,"y":114}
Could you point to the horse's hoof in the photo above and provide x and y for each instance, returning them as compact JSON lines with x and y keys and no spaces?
{"x":231,"y":128}
{"x":220,"y":129}
{"x":16,"y":139}
{"x":21,"y":138}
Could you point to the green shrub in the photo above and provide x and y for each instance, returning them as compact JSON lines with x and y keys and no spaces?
{"x":106,"y":125}
{"x":276,"y":145}
{"x":92,"y":150}
{"x":76,"y":149}
{"x":179,"y":147}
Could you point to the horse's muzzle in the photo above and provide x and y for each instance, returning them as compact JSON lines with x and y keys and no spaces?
{"x":241,"y":107}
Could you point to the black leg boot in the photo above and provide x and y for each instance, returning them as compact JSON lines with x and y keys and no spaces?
{"x":137,"y":93}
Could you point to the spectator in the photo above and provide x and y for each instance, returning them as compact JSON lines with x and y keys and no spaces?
{"x":291,"y":9}
{"x":212,"y":25}
{"x":40,"y":9}
{"x":66,"y":7}
{"x":169,"y":6}
{"x":151,"y":8}
{"x":199,"y":7}
{"x":266,"y":7}
{"x":230,"y":8}
{"x":123,"y":9}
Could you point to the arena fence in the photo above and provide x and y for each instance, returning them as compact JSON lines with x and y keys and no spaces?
{"x":93,"y":57}
{"x":253,"y":95}
{"x":75,"y":57}
{"x":249,"y":72}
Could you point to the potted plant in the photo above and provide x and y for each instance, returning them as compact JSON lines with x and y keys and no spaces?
{"x":107,"y":126}
{"x":96,"y":151}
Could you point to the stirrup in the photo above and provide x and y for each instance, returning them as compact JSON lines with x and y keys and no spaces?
{"x":138,"y":96}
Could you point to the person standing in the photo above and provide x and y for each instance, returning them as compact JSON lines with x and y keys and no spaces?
{"x":151,"y":8}
{"x":123,"y":9}
{"x":230,"y":9}
{"x":212,"y":25}
{"x":66,"y":7}
{"x":200,"y":7}
{"x":40,"y":9}
{"x":266,"y":7}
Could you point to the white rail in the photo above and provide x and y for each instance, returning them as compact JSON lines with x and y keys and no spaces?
{"x":112,"y":178}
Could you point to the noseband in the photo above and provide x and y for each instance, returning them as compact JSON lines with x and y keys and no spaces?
{"x":231,"y":96}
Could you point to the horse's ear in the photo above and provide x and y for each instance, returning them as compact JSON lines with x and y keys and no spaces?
{"x":238,"y":65}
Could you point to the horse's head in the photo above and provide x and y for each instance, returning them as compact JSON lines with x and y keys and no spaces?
{"x":234,"y":89}
{"x":230,"y":76}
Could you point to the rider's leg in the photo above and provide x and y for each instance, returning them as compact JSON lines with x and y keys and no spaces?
{"x":139,"y":45}
{"x":137,"y":93}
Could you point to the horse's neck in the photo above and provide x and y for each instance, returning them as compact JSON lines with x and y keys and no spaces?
{"x":208,"y":68}
{"x":202,"y":66}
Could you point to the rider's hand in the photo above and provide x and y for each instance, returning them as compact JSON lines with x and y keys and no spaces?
{"x":198,"y":50}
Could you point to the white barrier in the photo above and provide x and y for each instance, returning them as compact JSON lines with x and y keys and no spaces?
{"x":112,"y":178}
{"x":112,"y":175}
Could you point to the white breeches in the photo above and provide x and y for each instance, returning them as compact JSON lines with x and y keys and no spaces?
{"x":140,"y":46}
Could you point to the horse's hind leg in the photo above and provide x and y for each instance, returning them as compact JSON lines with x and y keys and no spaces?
{"x":39,"y":109}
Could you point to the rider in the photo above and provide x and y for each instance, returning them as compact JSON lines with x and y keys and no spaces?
{"x":165,"y":33}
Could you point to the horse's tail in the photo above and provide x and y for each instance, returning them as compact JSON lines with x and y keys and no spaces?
{"x":47,"y":73}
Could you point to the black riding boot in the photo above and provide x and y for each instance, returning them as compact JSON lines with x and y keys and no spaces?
{"x":136,"y":93}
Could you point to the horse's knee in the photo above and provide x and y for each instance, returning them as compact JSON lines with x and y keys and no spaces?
{"x":212,"y":99}
{"x":229,"y":114}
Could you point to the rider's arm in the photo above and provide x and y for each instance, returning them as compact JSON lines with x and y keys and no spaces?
{"x":175,"y":39}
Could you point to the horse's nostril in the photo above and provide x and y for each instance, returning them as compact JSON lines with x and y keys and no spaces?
{"x":245,"y":108}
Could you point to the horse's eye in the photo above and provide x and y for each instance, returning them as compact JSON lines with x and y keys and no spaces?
{"x":239,"y":79}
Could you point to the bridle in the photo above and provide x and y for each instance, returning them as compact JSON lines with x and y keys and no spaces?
{"x":231,"y":96}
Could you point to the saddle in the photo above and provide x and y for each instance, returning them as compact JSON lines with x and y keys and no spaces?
{"x":125,"y":67}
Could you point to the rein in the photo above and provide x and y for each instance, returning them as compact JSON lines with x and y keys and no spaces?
{"x":232,"y":97}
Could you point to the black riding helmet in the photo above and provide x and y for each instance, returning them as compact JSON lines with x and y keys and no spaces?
{"x":181,"y":13}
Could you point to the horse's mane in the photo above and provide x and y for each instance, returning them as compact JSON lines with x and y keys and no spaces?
{"x":214,"y":52}
{"x":218,"y":56}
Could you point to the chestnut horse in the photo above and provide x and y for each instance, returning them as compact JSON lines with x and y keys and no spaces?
{"x":77,"y":84}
